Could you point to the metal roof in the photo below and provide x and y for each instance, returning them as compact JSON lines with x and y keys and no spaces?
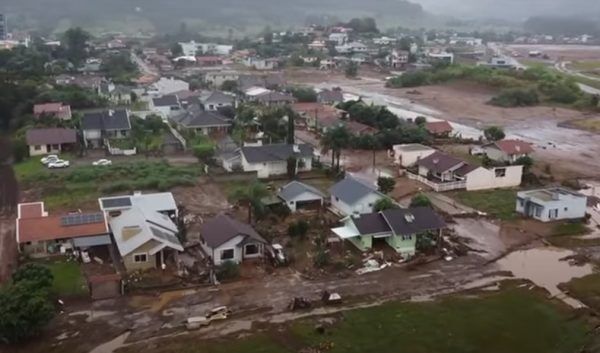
{"x":295,"y":188}
{"x":351,"y":190}
{"x":275,"y":152}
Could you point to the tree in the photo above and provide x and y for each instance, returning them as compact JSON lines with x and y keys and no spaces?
{"x":298,"y":229}
{"x":268,"y":35}
{"x":250,"y":196}
{"x":229,"y":85}
{"x":494,"y":133}
{"x":385,"y":184}
{"x":384,"y":203}
{"x":75,"y":40}
{"x":204,"y":152}
{"x":420,"y":200}
{"x":526,"y":162}
{"x":304,"y":94}
{"x":334,"y":140}
{"x":292,"y":163}
{"x":24,"y":311}
{"x":351,"y":70}
{"x":35,"y":273}
{"x":228,"y":270}
{"x":420,"y":121}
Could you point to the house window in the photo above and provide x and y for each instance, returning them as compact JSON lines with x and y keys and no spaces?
{"x":566,"y":209}
{"x":538,"y":211}
{"x":500,"y":172}
{"x":406,"y":237}
{"x":251,"y":249}
{"x":123,"y":132}
{"x":37,"y":147}
{"x":139,"y":258}
{"x":55,"y":147}
{"x":553,"y":213}
{"x":227,"y":254}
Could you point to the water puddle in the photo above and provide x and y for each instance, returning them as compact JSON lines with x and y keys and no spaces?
{"x":543,"y":266}
{"x":92,"y":315}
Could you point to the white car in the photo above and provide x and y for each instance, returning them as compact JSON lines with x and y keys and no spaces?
{"x":49,"y":158}
{"x":102,"y":162}
{"x":58,"y":164}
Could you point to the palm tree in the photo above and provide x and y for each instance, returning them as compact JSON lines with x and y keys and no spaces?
{"x":250,"y":197}
{"x":335,"y":140}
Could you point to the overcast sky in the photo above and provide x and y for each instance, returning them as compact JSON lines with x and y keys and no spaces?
{"x":512,"y":9}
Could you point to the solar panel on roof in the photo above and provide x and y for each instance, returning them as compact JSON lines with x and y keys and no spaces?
{"x":116,"y":202}
{"x":79,"y":219}
{"x":164,"y":235}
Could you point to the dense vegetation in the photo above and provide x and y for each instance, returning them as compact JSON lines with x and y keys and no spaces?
{"x":517,"y":87}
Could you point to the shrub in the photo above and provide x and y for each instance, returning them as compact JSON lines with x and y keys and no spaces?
{"x":39,"y":275}
{"x":298,"y":229}
{"x":410,"y":79}
{"x":494,"y":133}
{"x":322,"y":258}
{"x":228,"y":270}
{"x":516,"y":97}
{"x":204,"y":152}
{"x":420,"y":200}
{"x":386,"y":185}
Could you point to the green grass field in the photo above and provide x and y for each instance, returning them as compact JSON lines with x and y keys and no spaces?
{"x":586,"y":289}
{"x":68,"y":278}
{"x":499,"y":203}
{"x":514,"y":320}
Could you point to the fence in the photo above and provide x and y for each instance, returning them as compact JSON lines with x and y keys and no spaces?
{"x":438,"y":187}
{"x":115,"y":151}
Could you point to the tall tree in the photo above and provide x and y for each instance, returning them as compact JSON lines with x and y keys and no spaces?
{"x":334,"y":140}
{"x":250,"y":197}
{"x":75,"y":40}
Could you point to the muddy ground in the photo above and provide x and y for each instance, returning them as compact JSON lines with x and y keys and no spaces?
{"x":570,"y":152}
{"x":559,"y":52}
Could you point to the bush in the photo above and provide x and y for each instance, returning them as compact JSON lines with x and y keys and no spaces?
{"x":410,"y":79}
{"x":228,"y":270}
{"x":298,"y":229}
{"x":516,"y":97}
{"x":386,"y":185}
{"x":39,"y":275}
{"x":494,"y":133}
{"x":204,"y":152}
{"x":420,"y":200}
{"x":322,"y":258}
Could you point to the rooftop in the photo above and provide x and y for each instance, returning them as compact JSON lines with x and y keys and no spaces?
{"x":296,"y":188}
{"x":550,"y":194}
{"x":351,"y":190}
{"x":275,"y":152}
{"x":50,"y":136}
{"x":222,"y":228}
{"x":412,"y":147}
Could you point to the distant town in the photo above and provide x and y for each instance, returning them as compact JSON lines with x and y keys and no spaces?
{"x":332,"y":188}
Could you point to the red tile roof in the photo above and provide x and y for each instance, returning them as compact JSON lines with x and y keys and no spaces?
{"x":511,"y":147}
{"x":34,"y":225}
{"x":438,"y":127}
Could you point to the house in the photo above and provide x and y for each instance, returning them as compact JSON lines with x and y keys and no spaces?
{"x":318,"y":116}
{"x":118,"y":94}
{"x":260,"y":63}
{"x":330,"y":96}
{"x":298,"y":195}
{"x":166,"y":86}
{"x":107,"y":124}
{"x":40,"y":234}
{"x":398,"y":59}
{"x":216,"y":100}
{"x":226,"y":239}
{"x":50,"y":140}
{"x":165,"y":105}
{"x":338,"y":38}
{"x":551,"y":204}
{"x":217,"y":78}
{"x":443,"y":57}
{"x":439,"y":128}
{"x":143,"y":229}
{"x":399,"y":228}
{"x":273,"y":98}
{"x":443,"y":172}
{"x":357,"y":129}
{"x":202,"y":122}
{"x":209,"y":60}
{"x":271,"y":81}
{"x":56,"y":110}
{"x":228,"y":154}
{"x":408,"y":154}
{"x":269,"y":160}
{"x":507,"y":150}
{"x":500,"y":62}
{"x":351,"y":196}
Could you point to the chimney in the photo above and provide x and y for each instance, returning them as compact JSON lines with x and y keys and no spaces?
{"x":137,"y":193}
{"x":296,"y":149}
{"x":436,"y":161}
{"x":555,"y":195}
{"x":111,"y":112}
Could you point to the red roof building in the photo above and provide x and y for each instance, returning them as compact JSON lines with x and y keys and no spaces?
{"x":57,"y":110}
{"x":439,"y":128}
{"x":507,"y":150}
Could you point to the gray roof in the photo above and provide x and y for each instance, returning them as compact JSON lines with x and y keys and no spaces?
{"x":351,"y":190}
{"x":157,"y":202}
{"x":51,"y":136}
{"x":371,"y":223}
{"x":217,"y":97}
{"x":295,"y":188}
{"x":440,"y":162}
{"x":274,"y":97}
{"x":413,"y":220}
{"x":106,"y":120}
{"x":330,"y":96}
{"x":200,"y":118}
{"x":166,"y":101}
{"x":274,"y":152}
{"x":222,"y":228}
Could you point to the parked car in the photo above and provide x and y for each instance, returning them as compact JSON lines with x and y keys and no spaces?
{"x":58,"y":164}
{"x":49,"y":158}
{"x":218,"y":313}
{"x":102,"y":162}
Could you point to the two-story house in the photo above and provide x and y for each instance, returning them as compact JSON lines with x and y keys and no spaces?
{"x":107,"y":124}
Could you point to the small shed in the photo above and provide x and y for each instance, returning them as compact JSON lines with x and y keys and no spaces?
{"x":298,"y":195}
{"x":105,"y":286}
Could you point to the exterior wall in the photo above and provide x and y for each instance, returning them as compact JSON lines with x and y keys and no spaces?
{"x":482,"y":178}
{"x":404,"y":245}
{"x":408,"y":158}
{"x":211,"y":107}
{"x":495,"y":154}
{"x":568,"y":208}
{"x":306,"y":196}
{"x":231,"y":244}
{"x":364,"y":205}
{"x":92,"y":137}
{"x":265,"y":170}
{"x":43,"y":149}
{"x":131,"y":265}
{"x":217,"y":79}
{"x":363,"y":243}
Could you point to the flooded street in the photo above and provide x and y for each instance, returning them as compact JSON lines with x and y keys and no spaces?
{"x":544,"y":267}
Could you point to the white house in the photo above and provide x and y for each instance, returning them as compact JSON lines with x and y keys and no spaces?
{"x":551,"y":204}
{"x":351,"y":196}
{"x":217,"y":78}
{"x":507,"y":150}
{"x":166,"y":86}
{"x":50,"y":140}
{"x":297,"y":195}
{"x":226,"y":239}
{"x":165,"y":105}
{"x":268,"y":160}
{"x":261,"y":64}
{"x":408,"y":154}
{"x":338,"y":38}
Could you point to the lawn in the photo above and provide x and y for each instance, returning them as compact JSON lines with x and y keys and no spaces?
{"x":586,"y":289}
{"x":76,"y":186}
{"x":68,"y":278}
{"x":514,"y":320}
{"x":586,"y":65}
{"x":570,"y":229}
{"x":498,"y":203}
